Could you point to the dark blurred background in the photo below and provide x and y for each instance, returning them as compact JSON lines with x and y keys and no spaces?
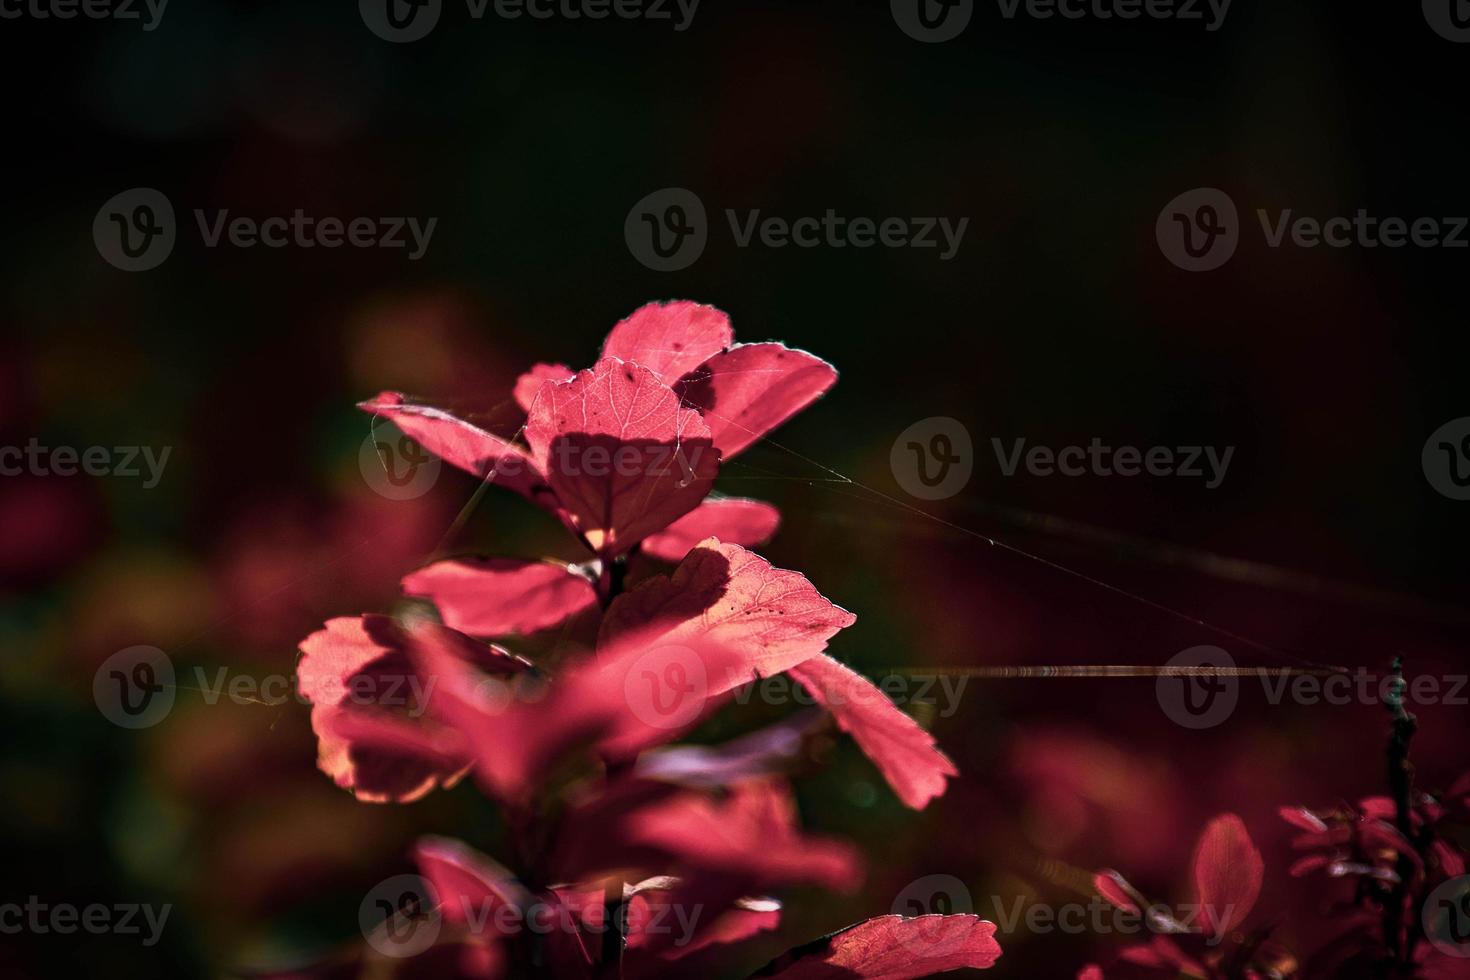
{"x":1058,"y":320}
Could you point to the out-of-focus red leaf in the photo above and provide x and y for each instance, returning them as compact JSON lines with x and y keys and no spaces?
{"x":743,"y":841}
{"x":749,"y":390}
{"x":733,"y":520}
{"x":1301,"y":817}
{"x":892,"y":947}
{"x":499,"y":596}
{"x":1308,"y":864}
{"x":468,"y":885}
{"x":1162,"y":953}
{"x":1227,"y":873}
{"x":1115,"y":888}
{"x":670,"y":339}
{"x":761,"y":753}
{"x":528,"y":385}
{"x":358,"y":665}
{"x":901,"y":749}
{"x":624,"y":459}
{"x":656,"y":922}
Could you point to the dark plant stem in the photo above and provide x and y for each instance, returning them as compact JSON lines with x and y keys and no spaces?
{"x":611,"y":580}
{"x":1400,"y":781}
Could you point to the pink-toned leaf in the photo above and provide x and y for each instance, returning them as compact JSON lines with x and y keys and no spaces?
{"x":892,"y":947}
{"x":723,"y":594}
{"x":356,"y":665}
{"x":670,"y":339}
{"x":510,"y":741}
{"x":747,"y":391}
{"x":1227,"y":873}
{"x":1090,"y":972}
{"x":1115,"y":889}
{"x":901,"y":749}
{"x":624,"y":459}
{"x":499,"y":596}
{"x":655,"y":917}
{"x":733,"y":520}
{"x":1302,"y":818}
{"x":761,"y":753}
{"x":528,"y":385}
{"x":1451,"y":861}
{"x":462,"y":444}
{"x":1377,"y":808}
{"x":746,"y":840}
{"x":1162,"y":953}
{"x":1308,"y":864}
{"x":468,"y":885}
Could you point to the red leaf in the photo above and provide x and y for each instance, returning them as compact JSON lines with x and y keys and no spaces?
{"x":1302,"y":818}
{"x":356,"y":665}
{"x":670,"y":339}
{"x":528,"y":385}
{"x":624,"y":459}
{"x":468,"y":885}
{"x":724,"y":596}
{"x":500,"y":596}
{"x":1115,"y":888}
{"x":510,"y":740}
{"x":1162,"y":953}
{"x":898,"y":746}
{"x":749,"y":390}
{"x":1227,"y":873}
{"x":733,"y":520}
{"x":472,"y":449}
{"x":657,"y":920}
{"x":747,"y":839}
{"x":892,"y":947}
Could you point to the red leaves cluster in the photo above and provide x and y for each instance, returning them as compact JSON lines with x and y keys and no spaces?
{"x":624,"y":455}
{"x":1382,"y":920}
